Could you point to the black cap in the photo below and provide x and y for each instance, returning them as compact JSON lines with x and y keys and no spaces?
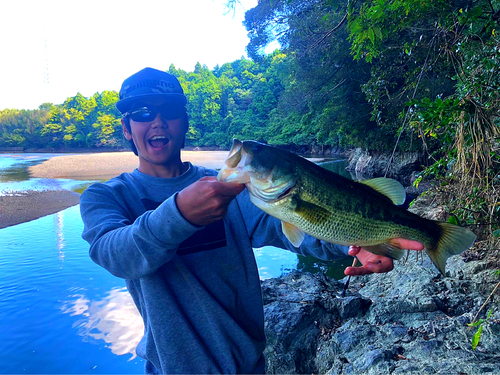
{"x":149,"y":83}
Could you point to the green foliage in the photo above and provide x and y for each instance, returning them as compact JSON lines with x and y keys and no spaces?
{"x":479,"y":324}
{"x":375,"y":22}
{"x":78,"y":122}
{"x":322,"y":101}
{"x":234,"y":100}
{"x":463,"y":131}
{"x":21,"y":128}
{"x":349,"y":74}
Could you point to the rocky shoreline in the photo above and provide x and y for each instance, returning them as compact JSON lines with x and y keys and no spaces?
{"x":410,"y":320}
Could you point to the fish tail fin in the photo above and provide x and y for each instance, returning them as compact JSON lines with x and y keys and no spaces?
{"x":453,"y":240}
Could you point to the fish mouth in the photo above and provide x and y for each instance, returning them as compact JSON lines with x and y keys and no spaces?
{"x":262,"y":183}
{"x":235,"y":164}
{"x":234,"y":156}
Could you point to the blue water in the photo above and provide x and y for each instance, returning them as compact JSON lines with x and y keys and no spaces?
{"x":60,"y":312}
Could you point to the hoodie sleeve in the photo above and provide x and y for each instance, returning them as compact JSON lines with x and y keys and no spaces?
{"x":128,"y":248}
{"x":265,"y":230}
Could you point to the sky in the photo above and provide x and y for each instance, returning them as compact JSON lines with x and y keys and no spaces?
{"x":53,"y":49}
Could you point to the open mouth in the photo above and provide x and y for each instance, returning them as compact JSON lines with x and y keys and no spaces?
{"x":158,"y":141}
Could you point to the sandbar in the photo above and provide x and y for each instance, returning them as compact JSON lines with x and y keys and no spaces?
{"x":21,"y":207}
{"x":103,"y":166}
{"x":25,"y":206}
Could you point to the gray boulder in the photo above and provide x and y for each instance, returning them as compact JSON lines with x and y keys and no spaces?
{"x":368,"y":164}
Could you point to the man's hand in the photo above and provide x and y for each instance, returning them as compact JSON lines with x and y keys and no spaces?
{"x":373,"y":263}
{"x":206,"y":200}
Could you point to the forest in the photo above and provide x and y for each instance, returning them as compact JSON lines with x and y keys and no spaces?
{"x":405,"y":75}
{"x":348,"y":74}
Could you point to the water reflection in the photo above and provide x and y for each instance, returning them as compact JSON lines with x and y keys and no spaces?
{"x":338,"y":166}
{"x":59,"y":311}
{"x":17,"y":170}
{"x":59,"y":230}
{"x":274,"y":262}
{"x":114,"y":319}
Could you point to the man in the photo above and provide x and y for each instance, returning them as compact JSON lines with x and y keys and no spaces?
{"x":183,"y":242}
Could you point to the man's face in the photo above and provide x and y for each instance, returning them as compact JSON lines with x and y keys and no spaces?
{"x":158,"y":141}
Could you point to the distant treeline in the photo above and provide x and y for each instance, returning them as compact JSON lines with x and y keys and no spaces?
{"x":234,"y":100}
{"x":370,"y":73}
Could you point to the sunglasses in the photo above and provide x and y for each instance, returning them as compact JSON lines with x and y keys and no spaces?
{"x":148,"y":112}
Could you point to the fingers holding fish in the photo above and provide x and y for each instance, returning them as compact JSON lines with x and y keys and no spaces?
{"x":354,"y":250}
{"x":405,"y":244}
{"x":371,"y":263}
{"x":207,"y":200}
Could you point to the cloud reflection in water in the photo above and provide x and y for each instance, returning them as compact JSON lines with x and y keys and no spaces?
{"x":114,"y":319}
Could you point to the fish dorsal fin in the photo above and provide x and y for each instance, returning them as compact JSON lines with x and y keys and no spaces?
{"x":294,"y":234}
{"x":392,"y":189}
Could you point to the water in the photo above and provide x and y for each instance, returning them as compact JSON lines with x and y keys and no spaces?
{"x":60,"y":312}
{"x":14,"y":175}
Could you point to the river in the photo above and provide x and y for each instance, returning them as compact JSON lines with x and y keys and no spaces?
{"x":60,"y":312}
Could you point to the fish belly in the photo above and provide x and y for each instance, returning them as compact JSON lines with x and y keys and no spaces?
{"x":347,"y":229}
{"x":347,"y":226}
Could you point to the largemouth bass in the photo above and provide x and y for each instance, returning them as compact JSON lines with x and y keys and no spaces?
{"x":310,"y":199}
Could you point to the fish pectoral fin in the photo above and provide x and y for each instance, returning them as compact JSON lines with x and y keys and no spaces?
{"x":386,"y":249}
{"x":294,"y":234}
{"x":392,"y":189}
{"x":311,"y":212}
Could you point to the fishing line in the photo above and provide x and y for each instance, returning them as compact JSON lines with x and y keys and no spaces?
{"x":354,"y":262}
{"x":406,"y":114}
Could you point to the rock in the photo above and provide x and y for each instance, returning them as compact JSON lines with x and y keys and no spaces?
{"x":409,"y":320}
{"x":300,"y":309}
{"x":374,"y":164}
{"x":428,"y":206}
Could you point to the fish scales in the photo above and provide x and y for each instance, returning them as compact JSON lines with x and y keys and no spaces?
{"x":349,"y":218}
{"x":309,"y":199}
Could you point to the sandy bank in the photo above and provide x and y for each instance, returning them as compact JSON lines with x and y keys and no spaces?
{"x":102,"y":166}
{"x":31,"y":205}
